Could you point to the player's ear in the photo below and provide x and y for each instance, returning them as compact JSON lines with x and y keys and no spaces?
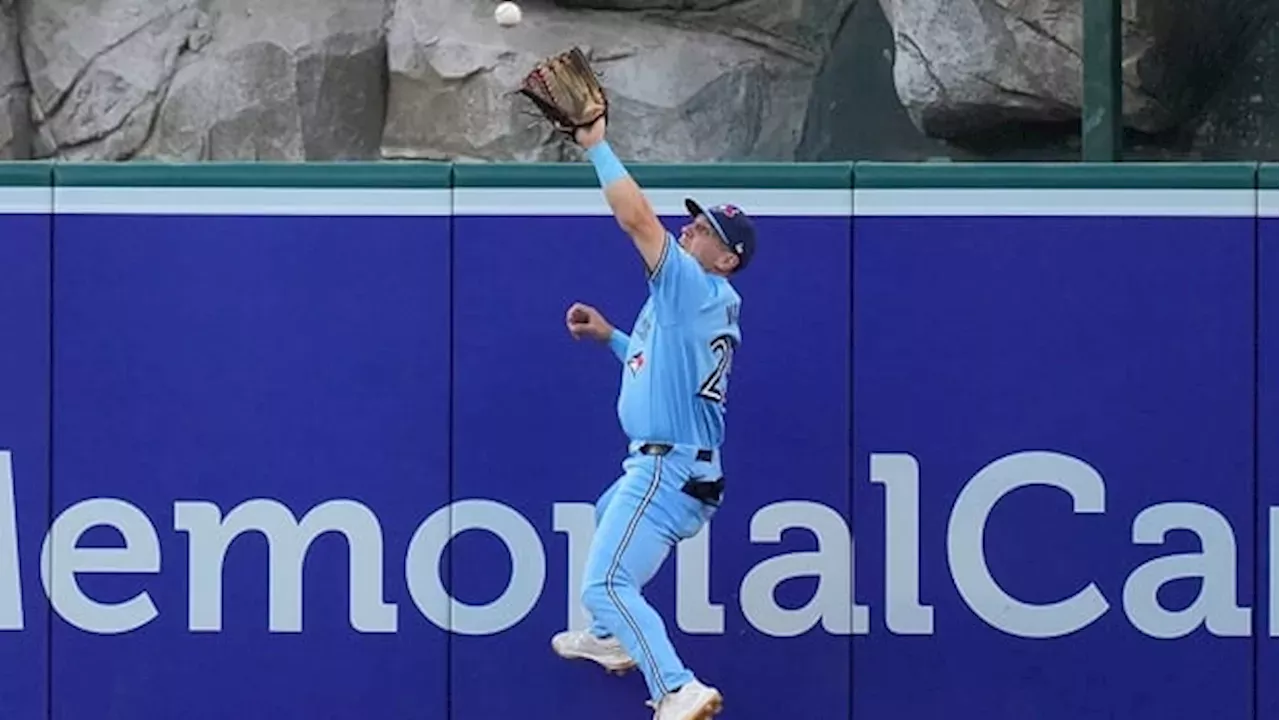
{"x":727,"y":262}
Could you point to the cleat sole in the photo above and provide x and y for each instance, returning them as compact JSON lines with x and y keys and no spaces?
{"x":712,"y":707}
{"x":612,"y":669}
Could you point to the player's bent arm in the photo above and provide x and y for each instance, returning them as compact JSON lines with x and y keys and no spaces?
{"x":630,"y":207}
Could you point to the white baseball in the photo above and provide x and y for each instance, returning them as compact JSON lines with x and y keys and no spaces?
{"x":507,"y":14}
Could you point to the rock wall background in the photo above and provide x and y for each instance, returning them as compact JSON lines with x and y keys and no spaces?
{"x":692,"y":80}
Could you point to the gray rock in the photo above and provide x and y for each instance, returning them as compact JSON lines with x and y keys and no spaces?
{"x":691,"y":80}
{"x":99,"y":69}
{"x":15,"y":125}
{"x":1196,"y":48}
{"x":802,"y":28}
{"x":207,"y":79}
{"x":1240,"y":121}
{"x":854,"y":110}
{"x":304,"y":80}
{"x":677,"y":93}
{"x":964,"y":66}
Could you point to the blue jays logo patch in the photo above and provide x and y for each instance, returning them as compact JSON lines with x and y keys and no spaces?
{"x":636,"y":363}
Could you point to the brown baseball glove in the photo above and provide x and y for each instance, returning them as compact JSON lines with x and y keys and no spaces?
{"x":566,"y":91}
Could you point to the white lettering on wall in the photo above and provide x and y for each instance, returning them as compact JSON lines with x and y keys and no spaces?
{"x":10,"y":579}
{"x":695,"y":613}
{"x":832,"y":606}
{"x":967,"y":528}
{"x":61,"y":559}
{"x":528,"y":567}
{"x":288,"y":541}
{"x":578,"y":522}
{"x":1273,"y":549}
{"x":832,"y":564}
{"x":1215,"y":606}
{"x":900,"y":475}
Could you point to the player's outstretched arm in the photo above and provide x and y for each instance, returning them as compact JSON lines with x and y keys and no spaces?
{"x":630,"y":207}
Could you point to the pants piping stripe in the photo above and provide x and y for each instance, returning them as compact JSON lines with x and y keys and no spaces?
{"x":617,"y":562}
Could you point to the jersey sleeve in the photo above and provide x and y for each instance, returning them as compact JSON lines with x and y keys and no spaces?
{"x":678,"y":284}
{"x":618,"y":344}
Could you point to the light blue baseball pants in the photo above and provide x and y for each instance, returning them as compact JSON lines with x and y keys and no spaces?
{"x":638,"y":520}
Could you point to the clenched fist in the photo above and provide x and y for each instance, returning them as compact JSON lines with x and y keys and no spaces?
{"x":585,"y":321}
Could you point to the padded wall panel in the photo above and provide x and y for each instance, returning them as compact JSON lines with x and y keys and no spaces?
{"x":238,"y":350}
{"x":26,"y":205}
{"x":1061,"y":361}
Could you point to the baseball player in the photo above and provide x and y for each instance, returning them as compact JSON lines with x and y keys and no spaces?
{"x":675,"y":373}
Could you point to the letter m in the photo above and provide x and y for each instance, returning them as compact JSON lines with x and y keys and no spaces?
{"x":288,"y":541}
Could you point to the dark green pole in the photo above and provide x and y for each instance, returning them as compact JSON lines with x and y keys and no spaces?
{"x":1101,"y":117}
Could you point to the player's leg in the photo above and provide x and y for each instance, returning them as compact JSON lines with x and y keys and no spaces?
{"x":598,"y":630}
{"x":682,"y":515}
{"x":596,"y":643}
{"x":634,"y":538}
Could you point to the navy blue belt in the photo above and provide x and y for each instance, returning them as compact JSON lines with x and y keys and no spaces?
{"x":703,"y":455}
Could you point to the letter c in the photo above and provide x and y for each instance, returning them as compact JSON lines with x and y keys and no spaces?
{"x":967,"y":527}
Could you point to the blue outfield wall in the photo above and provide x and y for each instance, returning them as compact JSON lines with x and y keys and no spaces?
{"x":26,"y":198}
{"x":1099,"y":369}
{"x":1266,"y":451}
{"x":311,"y":441}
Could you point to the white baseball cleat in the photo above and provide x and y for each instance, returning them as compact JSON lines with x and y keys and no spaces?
{"x":581,"y":644}
{"x":694,"y":701}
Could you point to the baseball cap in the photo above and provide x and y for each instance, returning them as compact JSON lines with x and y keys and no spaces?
{"x":734,"y":226}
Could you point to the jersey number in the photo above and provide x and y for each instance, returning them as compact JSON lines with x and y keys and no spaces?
{"x":713,"y":388}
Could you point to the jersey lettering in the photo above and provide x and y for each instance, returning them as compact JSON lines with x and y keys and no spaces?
{"x":731,"y":313}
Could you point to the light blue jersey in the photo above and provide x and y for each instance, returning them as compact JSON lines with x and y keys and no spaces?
{"x":677,"y":359}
